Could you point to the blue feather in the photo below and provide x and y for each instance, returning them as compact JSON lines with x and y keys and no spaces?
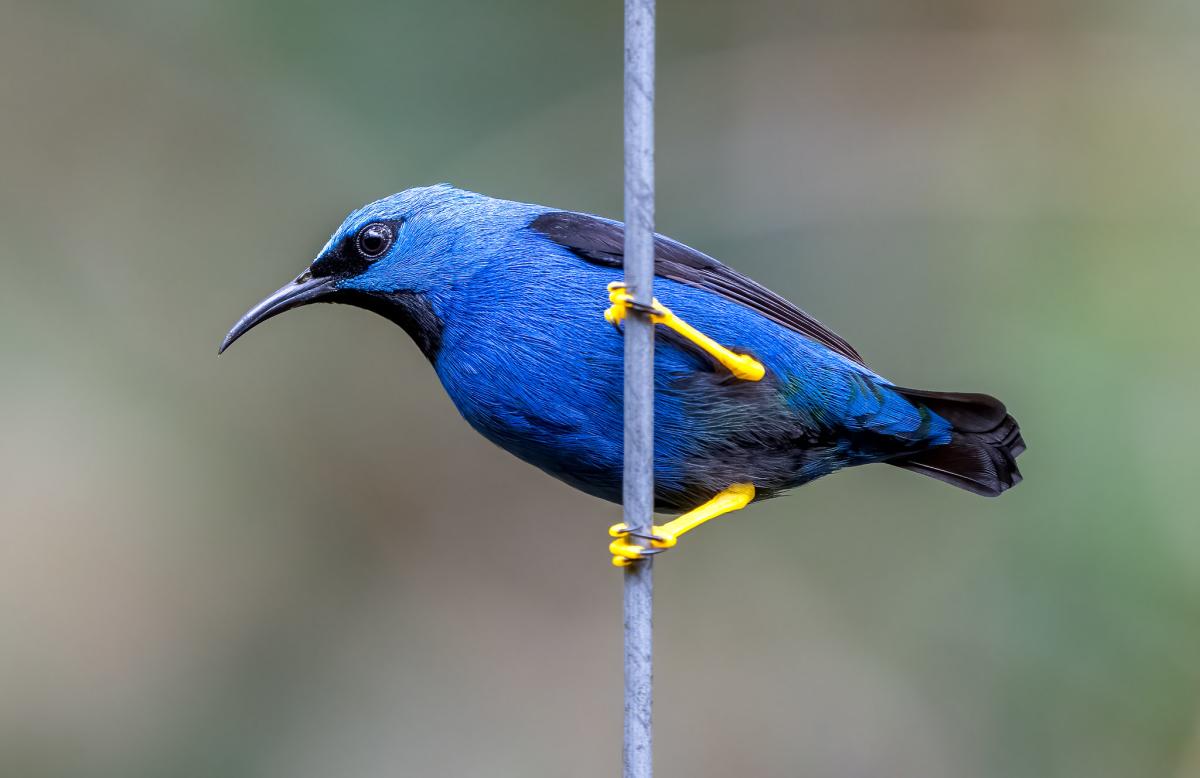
{"x":512,"y":319}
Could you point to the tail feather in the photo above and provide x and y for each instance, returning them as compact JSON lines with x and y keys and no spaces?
{"x":981,"y":456}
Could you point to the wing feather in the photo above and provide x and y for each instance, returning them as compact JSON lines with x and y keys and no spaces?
{"x":602,"y":242}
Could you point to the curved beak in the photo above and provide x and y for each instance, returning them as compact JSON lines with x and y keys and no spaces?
{"x":305,"y":289}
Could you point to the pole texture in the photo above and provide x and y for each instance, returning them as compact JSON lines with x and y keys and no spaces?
{"x":639,"y":382}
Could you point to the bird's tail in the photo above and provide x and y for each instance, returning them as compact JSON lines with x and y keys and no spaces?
{"x":981,"y":456}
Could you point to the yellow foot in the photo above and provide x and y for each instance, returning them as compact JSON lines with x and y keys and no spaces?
{"x":742,"y":366}
{"x":625,"y":553}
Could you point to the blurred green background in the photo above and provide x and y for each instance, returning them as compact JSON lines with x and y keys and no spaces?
{"x":297,"y":560}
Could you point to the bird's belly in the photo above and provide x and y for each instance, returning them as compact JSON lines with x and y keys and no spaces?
{"x":567,"y":420}
{"x":572,"y":439}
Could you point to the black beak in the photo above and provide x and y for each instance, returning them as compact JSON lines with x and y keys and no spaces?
{"x":304,"y":290}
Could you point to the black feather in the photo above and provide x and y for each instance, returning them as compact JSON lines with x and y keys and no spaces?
{"x":981,"y":456}
{"x":602,"y":242}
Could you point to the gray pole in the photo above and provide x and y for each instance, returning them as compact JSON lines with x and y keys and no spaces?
{"x":639,"y":381}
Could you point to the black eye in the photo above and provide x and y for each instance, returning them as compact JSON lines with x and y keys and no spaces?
{"x":374,"y":240}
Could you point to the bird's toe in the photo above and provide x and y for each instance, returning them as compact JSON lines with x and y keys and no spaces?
{"x":628,"y":547}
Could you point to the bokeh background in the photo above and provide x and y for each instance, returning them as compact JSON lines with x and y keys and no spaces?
{"x":297,"y":560}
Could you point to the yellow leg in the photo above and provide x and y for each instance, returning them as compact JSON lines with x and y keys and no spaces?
{"x":742,"y":366}
{"x":624,"y":553}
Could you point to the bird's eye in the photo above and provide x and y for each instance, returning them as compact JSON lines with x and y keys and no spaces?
{"x":374,"y":240}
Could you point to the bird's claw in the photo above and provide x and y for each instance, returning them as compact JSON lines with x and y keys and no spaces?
{"x":622,"y":302}
{"x":626,"y":553}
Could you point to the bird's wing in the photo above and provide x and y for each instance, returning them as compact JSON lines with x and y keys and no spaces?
{"x":602,"y":242}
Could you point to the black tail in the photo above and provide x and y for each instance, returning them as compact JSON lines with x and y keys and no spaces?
{"x":981,"y":456}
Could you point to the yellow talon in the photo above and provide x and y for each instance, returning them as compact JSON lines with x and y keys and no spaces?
{"x":625,"y":553}
{"x":620,"y":298}
{"x":742,"y":366}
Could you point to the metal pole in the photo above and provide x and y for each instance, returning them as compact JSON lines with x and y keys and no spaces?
{"x":639,"y":382}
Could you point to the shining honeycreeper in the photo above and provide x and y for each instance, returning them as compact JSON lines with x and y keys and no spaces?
{"x":509,"y":302}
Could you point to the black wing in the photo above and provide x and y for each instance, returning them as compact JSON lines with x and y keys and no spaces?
{"x":602,"y":242}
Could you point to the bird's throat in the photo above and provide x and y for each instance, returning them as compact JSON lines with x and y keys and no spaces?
{"x":412,"y":311}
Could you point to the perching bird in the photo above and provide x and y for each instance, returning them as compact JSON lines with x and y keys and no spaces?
{"x":753,"y":396}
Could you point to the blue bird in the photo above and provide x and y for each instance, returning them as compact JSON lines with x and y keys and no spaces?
{"x":753,"y":396}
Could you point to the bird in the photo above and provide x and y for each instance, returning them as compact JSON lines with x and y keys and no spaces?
{"x":518,"y":308}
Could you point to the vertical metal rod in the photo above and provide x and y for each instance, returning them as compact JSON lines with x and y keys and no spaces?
{"x":639,"y":382}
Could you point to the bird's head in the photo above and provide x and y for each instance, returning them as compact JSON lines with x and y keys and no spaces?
{"x":393,"y":257}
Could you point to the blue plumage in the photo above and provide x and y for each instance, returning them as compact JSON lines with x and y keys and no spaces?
{"x":507,"y":299}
